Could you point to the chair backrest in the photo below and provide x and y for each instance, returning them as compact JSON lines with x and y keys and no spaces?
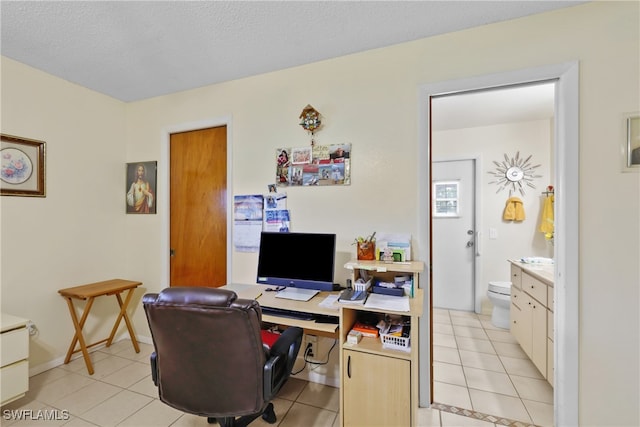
{"x":210,"y":356}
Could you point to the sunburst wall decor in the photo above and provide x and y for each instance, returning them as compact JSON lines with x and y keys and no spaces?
{"x":514,"y":173}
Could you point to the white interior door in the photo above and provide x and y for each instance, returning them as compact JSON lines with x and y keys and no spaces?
{"x":454,"y":243}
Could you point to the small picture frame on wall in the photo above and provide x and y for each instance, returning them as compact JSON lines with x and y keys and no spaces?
{"x":22,"y":169}
{"x":631,"y":149}
{"x":141,"y":187}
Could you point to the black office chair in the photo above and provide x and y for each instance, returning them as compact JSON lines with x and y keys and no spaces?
{"x":209,"y":359}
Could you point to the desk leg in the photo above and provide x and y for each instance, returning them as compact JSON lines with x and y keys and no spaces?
{"x":78,"y":325}
{"x":123,"y":314}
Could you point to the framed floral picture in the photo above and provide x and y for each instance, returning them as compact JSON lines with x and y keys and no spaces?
{"x":22,"y":168}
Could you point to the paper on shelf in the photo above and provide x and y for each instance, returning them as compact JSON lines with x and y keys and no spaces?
{"x":387,"y":302}
{"x":395,"y":240}
{"x":330,"y":302}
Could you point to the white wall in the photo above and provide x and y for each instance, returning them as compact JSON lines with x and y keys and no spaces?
{"x":80,"y":232}
{"x":514,"y":239}
{"x":76,"y":234}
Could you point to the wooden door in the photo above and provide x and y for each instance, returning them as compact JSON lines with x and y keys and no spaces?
{"x":198,"y":207}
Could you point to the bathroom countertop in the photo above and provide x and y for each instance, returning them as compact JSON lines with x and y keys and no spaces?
{"x":543,"y":272}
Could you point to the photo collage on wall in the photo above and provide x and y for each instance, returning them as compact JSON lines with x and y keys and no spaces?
{"x":314,"y":165}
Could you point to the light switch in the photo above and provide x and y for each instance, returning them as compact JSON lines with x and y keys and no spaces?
{"x":493,"y":233}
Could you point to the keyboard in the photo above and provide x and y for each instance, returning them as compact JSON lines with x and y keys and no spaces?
{"x":291,"y":314}
{"x":299,"y":315}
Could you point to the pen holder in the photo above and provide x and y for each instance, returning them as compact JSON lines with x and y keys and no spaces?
{"x":361,"y":285}
{"x":366,"y":251}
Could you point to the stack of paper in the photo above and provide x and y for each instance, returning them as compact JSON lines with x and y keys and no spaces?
{"x":387,"y":302}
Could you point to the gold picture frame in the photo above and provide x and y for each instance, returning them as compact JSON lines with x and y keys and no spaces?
{"x":631,"y":150}
{"x":141,"y":187}
{"x":22,"y":167}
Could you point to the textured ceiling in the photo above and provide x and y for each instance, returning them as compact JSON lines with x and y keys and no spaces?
{"x":141,"y":49}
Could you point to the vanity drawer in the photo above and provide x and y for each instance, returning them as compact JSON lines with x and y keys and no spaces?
{"x":535,"y":288}
{"x":516,"y":276}
{"x":516,"y":297}
{"x":15,"y":346}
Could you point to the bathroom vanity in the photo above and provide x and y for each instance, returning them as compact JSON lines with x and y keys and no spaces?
{"x":532,"y":312}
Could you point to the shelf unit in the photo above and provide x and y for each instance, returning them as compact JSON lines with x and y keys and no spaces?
{"x":379,"y":386}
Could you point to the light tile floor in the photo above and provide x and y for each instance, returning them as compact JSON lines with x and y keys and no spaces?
{"x":482,"y":368}
{"x":121,"y":392}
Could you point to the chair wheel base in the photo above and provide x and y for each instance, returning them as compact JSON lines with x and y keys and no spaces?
{"x":269,"y":415}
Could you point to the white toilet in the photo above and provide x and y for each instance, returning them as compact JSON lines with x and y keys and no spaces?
{"x":500,"y":295}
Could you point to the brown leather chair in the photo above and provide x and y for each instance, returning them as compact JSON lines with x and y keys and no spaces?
{"x":209,"y":359}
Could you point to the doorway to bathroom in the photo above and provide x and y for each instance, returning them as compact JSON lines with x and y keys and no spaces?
{"x":566,"y":177}
{"x":477,"y":366}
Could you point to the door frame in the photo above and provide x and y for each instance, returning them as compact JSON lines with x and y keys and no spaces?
{"x":566,"y":286}
{"x":477,"y":222}
{"x":164,"y":182}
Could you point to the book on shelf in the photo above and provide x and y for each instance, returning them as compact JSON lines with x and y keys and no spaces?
{"x":365,"y":330}
{"x":352,"y":296}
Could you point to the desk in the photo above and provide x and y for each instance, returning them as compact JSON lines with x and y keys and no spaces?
{"x":368,"y":369}
{"x":268,"y":299}
{"x":90,"y":292}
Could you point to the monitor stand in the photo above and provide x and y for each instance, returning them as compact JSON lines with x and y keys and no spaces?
{"x":297,"y":294}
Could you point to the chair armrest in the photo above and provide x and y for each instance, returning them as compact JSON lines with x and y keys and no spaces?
{"x":289,"y":343}
{"x":154,"y":368}
{"x":281,"y":360}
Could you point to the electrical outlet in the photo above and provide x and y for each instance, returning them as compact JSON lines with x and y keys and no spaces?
{"x":31,"y":327}
{"x":312,"y":341}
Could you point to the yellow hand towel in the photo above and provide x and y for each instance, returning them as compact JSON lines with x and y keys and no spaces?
{"x":546,"y":223}
{"x":513,"y":211}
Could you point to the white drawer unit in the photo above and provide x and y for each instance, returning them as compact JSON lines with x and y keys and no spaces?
{"x":14,"y":356}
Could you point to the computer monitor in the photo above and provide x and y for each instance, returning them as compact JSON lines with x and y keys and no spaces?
{"x":301,"y":260}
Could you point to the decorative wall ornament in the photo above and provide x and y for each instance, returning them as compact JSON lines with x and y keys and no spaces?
{"x":22,"y":168}
{"x":514,"y":173}
{"x":310,"y":120}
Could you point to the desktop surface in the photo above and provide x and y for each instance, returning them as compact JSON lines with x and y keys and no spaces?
{"x":268,"y":299}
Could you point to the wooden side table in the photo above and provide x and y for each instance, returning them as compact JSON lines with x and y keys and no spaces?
{"x":89,"y":292}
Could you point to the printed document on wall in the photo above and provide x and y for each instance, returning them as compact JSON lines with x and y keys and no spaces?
{"x":247,"y":222}
{"x":276,"y":215}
